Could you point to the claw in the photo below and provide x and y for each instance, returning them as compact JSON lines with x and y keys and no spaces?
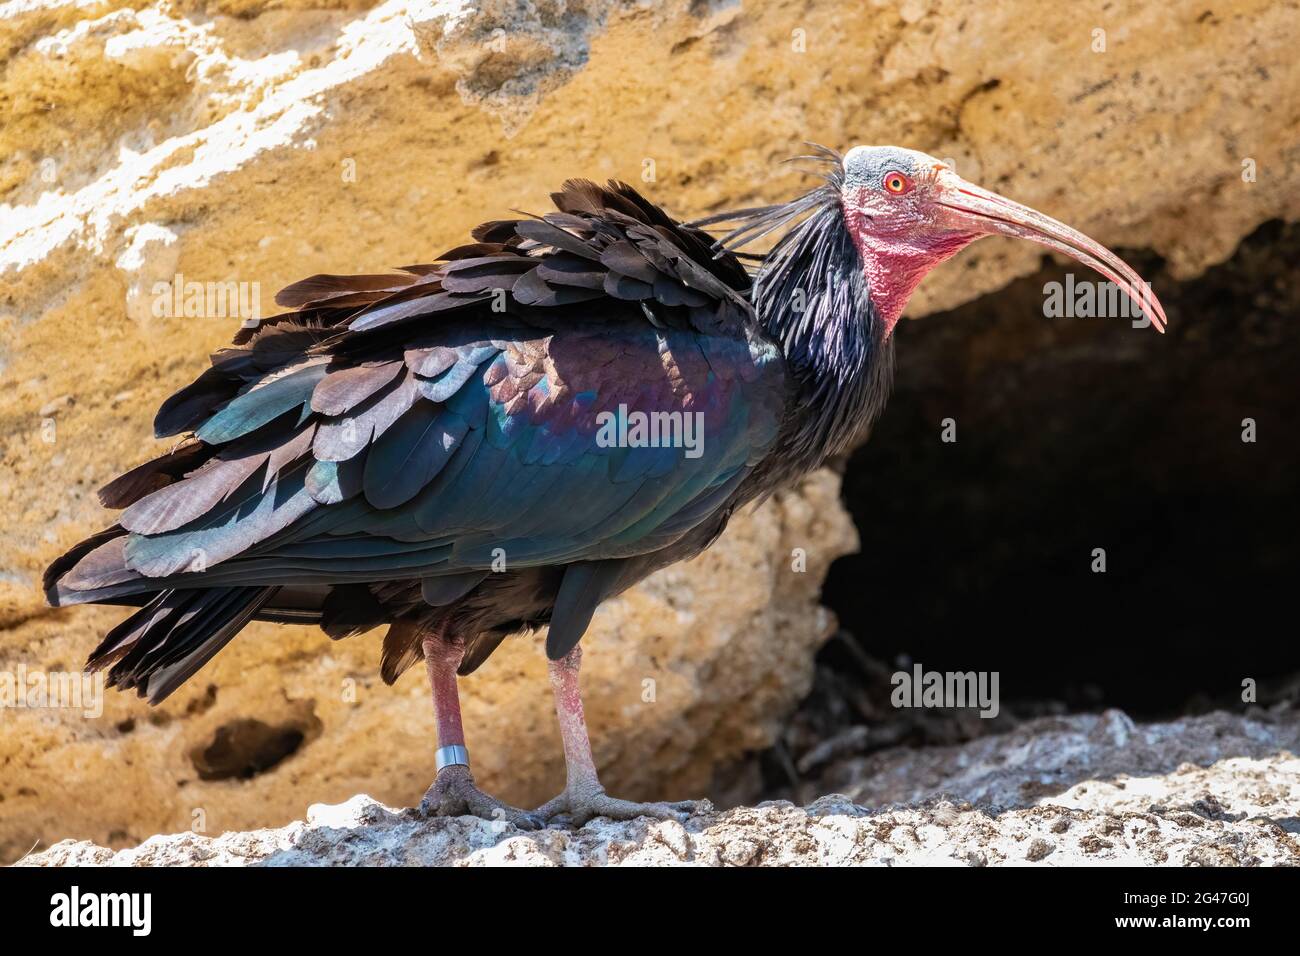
{"x":455,"y":794}
{"x":575,"y":809}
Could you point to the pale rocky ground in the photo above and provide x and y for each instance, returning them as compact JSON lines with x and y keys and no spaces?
{"x":223,"y":142}
{"x":1218,"y":790}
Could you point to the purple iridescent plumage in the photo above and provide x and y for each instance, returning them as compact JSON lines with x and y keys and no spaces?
{"x":376,"y":454}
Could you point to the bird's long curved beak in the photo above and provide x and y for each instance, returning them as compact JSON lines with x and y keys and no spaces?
{"x":971,"y":208}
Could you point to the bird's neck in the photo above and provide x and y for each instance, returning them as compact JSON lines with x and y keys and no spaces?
{"x":895,"y":266}
{"x":813,"y":298}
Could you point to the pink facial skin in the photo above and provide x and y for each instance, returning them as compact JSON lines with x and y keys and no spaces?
{"x":895,"y":264}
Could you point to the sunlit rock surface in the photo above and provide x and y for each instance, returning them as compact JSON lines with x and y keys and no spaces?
{"x":216,"y":142}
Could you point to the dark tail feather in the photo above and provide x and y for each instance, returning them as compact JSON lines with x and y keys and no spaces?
{"x":402,"y":648}
{"x":404,"y":645}
{"x":163,"y":644}
{"x":585,"y":585}
{"x":478,"y":650}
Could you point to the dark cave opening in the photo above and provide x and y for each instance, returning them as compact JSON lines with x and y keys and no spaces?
{"x":1075,"y":434}
{"x":242,"y":749}
{"x":1072,"y":434}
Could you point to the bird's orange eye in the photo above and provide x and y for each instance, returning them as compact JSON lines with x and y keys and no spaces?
{"x":896,"y":183}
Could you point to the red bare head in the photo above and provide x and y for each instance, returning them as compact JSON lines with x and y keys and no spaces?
{"x":908,"y":212}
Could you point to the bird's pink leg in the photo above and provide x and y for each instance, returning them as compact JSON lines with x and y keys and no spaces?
{"x":441,"y":658}
{"x":583,"y":797}
{"x":579,"y":764}
{"x":454,"y":792}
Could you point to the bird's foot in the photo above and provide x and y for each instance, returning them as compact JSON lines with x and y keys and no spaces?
{"x":455,"y":794}
{"x":576,"y":806}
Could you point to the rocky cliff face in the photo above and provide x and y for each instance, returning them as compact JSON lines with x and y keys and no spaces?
{"x":1213,"y":791}
{"x":151,"y":145}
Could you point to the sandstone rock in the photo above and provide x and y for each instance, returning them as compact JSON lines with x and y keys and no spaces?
{"x":1234,"y":811}
{"x":210,"y":141}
